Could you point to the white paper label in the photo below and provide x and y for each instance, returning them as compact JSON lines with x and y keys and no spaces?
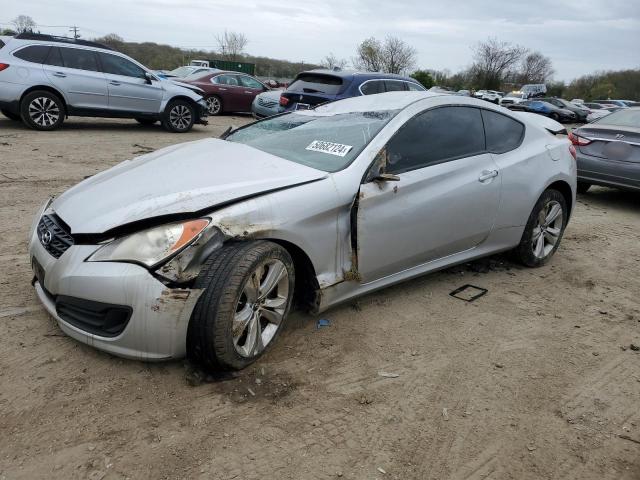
{"x":331,"y":148}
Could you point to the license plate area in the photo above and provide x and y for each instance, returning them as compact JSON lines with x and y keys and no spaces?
{"x":303,"y":106}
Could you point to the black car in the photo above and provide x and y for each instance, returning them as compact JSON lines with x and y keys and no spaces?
{"x":546,"y":109}
{"x":581,"y":113}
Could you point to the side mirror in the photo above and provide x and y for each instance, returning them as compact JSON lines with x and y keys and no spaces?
{"x":148,"y":77}
{"x":386,"y":177}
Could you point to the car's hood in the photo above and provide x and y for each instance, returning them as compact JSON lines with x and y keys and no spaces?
{"x":180,"y":179}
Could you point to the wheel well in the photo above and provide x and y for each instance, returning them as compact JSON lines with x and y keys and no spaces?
{"x":181,"y":97}
{"x":306,"y":287}
{"x":564,"y":188}
{"x":47,"y":89}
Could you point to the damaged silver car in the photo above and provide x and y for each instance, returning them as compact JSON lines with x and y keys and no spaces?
{"x":202,"y":248}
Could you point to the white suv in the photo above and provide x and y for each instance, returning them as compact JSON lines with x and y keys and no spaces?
{"x":44,"y":79}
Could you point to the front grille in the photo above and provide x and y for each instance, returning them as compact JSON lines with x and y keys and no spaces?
{"x":54,"y":235}
{"x":103,"y":319}
{"x":267,"y":103}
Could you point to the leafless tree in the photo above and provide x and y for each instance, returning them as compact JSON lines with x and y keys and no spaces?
{"x":493,"y":61}
{"x":535,"y":68}
{"x":231,"y":45}
{"x":331,"y":62}
{"x":23,"y":23}
{"x":392,"y":56}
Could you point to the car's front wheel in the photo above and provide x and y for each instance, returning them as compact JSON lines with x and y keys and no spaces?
{"x":179,"y":116}
{"x":248,"y":289}
{"x":544,"y":230}
{"x":42,"y":110}
{"x":9,"y":115}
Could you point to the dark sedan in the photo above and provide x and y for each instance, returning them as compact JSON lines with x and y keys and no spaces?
{"x":608,"y":151}
{"x":581,"y":112}
{"x":546,"y":109}
{"x":227,"y":91}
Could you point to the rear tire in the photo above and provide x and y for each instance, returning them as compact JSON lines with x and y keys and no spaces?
{"x":248,"y":288}
{"x":214,"y":105}
{"x":555,"y":117}
{"x":544,"y":230}
{"x":10,"y":116}
{"x":146,"y":121}
{"x":179,"y":116}
{"x":583,"y":187}
{"x":42,"y":110}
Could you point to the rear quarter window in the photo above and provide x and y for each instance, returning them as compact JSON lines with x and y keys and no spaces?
{"x":503,"y":133}
{"x":33,"y":53}
{"x":371,"y":87}
{"x":316,"y":83}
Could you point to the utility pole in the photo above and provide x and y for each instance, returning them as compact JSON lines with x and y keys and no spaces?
{"x":74,"y":29}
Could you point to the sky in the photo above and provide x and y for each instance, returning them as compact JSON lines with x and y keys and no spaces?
{"x":580,"y":36}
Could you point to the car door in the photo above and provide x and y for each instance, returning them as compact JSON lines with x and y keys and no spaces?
{"x":444,"y":201}
{"x":250,"y":89}
{"x":76,"y":74}
{"x":129,"y":88}
{"x":227,"y":87}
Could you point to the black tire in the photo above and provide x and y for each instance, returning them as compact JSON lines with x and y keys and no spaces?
{"x":10,"y":115}
{"x":555,"y":117}
{"x":145,"y":121}
{"x":214,"y":101}
{"x":179,"y":116}
{"x":42,"y":110}
{"x":525,"y":251}
{"x":224,"y":278}
{"x":583,"y":187}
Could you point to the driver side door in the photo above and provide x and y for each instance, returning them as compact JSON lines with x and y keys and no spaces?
{"x":441,"y":198}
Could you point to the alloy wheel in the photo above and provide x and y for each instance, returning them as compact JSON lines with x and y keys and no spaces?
{"x":44,"y":112}
{"x":546,"y":233}
{"x":213,"y":105}
{"x":180,"y":117}
{"x":260,"y":308}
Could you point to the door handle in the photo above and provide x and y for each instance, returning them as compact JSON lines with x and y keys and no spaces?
{"x":114,"y":83}
{"x":222,"y":89}
{"x":487,"y":174}
{"x":60,"y":74}
{"x":247,"y":92}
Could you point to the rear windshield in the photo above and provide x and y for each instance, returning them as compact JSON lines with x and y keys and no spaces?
{"x":325,"y":143}
{"x":316,"y":83}
{"x":627,"y":117}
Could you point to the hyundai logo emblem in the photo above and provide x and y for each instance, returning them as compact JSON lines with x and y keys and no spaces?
{"x":619,"y":136}
{"x":46,"y":237}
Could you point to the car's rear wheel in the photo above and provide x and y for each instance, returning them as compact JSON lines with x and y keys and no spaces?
{"x":544,"y":230}
{"x":42,"y":110}
{"x":583,"y":187}
{"x":179,"y":116}
{"x":555,"y":116}
{"x":214,"y":105}
{"x":10,"y":115}
{"x":248,"y":288}
{"x":146,"y":121}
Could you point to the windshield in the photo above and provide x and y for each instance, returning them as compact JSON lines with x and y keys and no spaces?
{"x":626,"y":117}
{"x":325,"y":143}
{"x":182,"y":71}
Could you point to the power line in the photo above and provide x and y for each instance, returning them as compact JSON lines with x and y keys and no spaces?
{"x":74,"y":29}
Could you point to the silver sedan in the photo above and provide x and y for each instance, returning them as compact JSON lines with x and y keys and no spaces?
{"x":201,"y":249}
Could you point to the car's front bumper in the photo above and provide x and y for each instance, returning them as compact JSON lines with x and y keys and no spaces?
{"x":157,"y":326}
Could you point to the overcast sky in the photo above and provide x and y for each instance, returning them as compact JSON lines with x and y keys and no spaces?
{"x":580,"y":36}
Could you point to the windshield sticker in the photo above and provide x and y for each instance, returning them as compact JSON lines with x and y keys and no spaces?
{"x":331,"y":148}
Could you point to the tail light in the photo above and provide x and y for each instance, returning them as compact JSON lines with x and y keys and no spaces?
{"x":572,"y":151}
{"x":578,"y":140}
{"x":3,"y":66}
{"x":284,"y":101}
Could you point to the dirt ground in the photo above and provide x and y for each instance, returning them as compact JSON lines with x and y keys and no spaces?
{"x":535,"y":380}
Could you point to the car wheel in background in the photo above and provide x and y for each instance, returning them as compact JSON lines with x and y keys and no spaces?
{"x":583,"y":187}
{"x":214,"y":105}
{"x":544,"y":230}
{"x":555,"y":116}
{"x":9,"y":115}
{"x":146,"y":121}
{"x":248,"y":288}
{"x":42,"y":110}
{"x":179,"y":116}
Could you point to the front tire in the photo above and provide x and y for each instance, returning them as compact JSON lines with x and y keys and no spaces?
{"x":10,"y":116}
{"x":42,"y":110}
{"x":583,"y":187}
{"x":544,"y":230}
{"x":179,"y":116}
{"x":248,"y":289}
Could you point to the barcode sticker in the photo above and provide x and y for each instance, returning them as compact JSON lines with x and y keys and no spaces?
{"x":331,"y":148}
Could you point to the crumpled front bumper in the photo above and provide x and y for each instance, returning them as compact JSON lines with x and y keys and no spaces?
{"x":157,"y":327}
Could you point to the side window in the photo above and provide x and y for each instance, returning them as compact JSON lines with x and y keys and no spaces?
{"x":503,"y":133}
{"x":79,"y":59}
{"x":33,"y":53}
{"x":249,"y":82}
{"x":436,"y":136}
{"x":414,"y":87}
{"x":120,"y":66}
{"x":225,"y":80}
{"x":54,"y":58}
{"x":372,"y":87}
{"x":394,"y":86}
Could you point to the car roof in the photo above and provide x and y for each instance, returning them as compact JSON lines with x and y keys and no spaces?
{"x":353,"y":74}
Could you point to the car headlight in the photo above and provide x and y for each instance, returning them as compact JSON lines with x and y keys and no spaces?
{"x":152,"y":246}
